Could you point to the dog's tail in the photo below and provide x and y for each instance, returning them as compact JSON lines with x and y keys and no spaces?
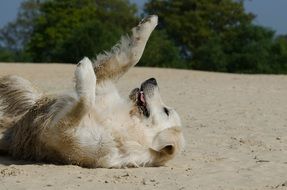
{"x":16,"y":96}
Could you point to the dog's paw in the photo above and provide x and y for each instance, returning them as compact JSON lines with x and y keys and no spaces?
{"x":151,"y":19}
{"x":85,"y":79}
{"x":145,"y":27}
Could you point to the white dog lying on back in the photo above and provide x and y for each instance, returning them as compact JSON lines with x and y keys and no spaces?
{"x":94,"y":127}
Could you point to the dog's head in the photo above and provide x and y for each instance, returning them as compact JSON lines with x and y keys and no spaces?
{"x":163,"y":120}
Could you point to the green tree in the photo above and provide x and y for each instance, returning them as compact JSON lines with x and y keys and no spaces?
{"x":192,"y":23}
{"x":214,"y":35}
{"x":67,"y":30}
{"x":160,"y":51}
{"x":6,"y":55}
{"x":248,"y":49}
{"x":88,"y":40}
{"x":210,"y":56}
{"x":218,"y":35}
{"x":278,"y":55}
{"x":15,"y":35}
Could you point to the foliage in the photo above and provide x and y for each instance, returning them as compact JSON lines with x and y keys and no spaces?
{"x":249,"y":52}
{"x":66,"y":29}
{"x":213,"y":35}
{"x":15,"y":35}
{"x":194,"y":22}
{"x":79,"y":29}
{"x":278,"y":55}
{"x":160,"y":51}
{"x":220,"y":36}
{"x":244,"y":50}
{"x":6,"y":55}
{"x":88,"y":40}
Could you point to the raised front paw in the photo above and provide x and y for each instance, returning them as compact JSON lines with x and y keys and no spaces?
{"x":85,"y":79}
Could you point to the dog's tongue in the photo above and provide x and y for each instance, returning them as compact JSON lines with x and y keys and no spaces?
{"x":142,"y":97}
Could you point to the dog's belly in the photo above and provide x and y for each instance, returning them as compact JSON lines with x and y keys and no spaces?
{"x":112,"y":141}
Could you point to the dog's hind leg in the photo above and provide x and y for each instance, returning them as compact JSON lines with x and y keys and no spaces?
{"x":17,"y":95}
{"x":112,"y":65}
{"x":45,"y":131}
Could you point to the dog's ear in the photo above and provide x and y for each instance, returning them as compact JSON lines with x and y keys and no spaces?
{"x":167,"y":143}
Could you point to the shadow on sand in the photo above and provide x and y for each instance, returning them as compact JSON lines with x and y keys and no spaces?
{"x":7,"y":160}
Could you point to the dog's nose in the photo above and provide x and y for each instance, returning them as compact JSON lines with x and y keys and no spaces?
{"x":152,"y":81}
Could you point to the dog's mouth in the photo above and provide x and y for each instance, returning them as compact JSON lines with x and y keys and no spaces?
{"x":141,"y":103}
{"x":138,"y":97}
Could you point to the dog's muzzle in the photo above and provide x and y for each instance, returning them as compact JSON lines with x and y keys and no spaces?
{"x":148,"y":86}
{"x":148,"y":82}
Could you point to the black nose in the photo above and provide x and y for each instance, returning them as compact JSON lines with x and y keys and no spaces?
{"x":151,"y":81}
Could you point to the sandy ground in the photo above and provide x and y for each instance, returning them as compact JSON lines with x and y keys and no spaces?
{"x":235,"y":128}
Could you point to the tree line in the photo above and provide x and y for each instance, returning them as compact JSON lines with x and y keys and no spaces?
{"x":192,"y":34}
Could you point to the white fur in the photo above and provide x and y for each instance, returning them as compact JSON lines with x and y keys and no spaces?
{"x":109,"y":118}
{"x":108,"y":130}
{"x":109,"y":115}
{"x":130,"y":49}
{"x":86,"y":80}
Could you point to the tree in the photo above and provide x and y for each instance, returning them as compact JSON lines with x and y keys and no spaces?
{"x":214,"y":35}
{"x":65,"y":27}
{"x":6,"y":55}
{"x":160,"y":51}
{"x":15,"y":35}
{"x":248,"y":49}
{"x":278,"y":55}
{"x":192,"y":23}
{"x":80,"y":28}
{"x":88,"y":40}
{"x":210,"y":56}
{"x":218,"y":35}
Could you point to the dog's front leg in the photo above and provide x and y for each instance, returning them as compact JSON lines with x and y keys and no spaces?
{"x":69,"y":113}
{"x":86,"y":81}
{"x":127,"y":53}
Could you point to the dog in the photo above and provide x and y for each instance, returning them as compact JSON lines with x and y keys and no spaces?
{"x":93,"y":126}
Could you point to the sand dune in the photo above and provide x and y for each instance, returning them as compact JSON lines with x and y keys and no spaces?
{"x":235,"y":128}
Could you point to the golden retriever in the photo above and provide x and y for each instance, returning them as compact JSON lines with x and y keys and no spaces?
{"x":93,"y":126}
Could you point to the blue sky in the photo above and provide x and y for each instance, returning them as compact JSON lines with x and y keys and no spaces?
{"x":270,"y":13}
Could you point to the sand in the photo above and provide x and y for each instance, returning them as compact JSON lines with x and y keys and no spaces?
{"x":235,"y":128}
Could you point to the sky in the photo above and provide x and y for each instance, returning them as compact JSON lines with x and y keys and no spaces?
{"x":270,"y":13}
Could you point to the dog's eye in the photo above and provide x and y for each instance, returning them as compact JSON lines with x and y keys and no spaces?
{"x":166,"y":111}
